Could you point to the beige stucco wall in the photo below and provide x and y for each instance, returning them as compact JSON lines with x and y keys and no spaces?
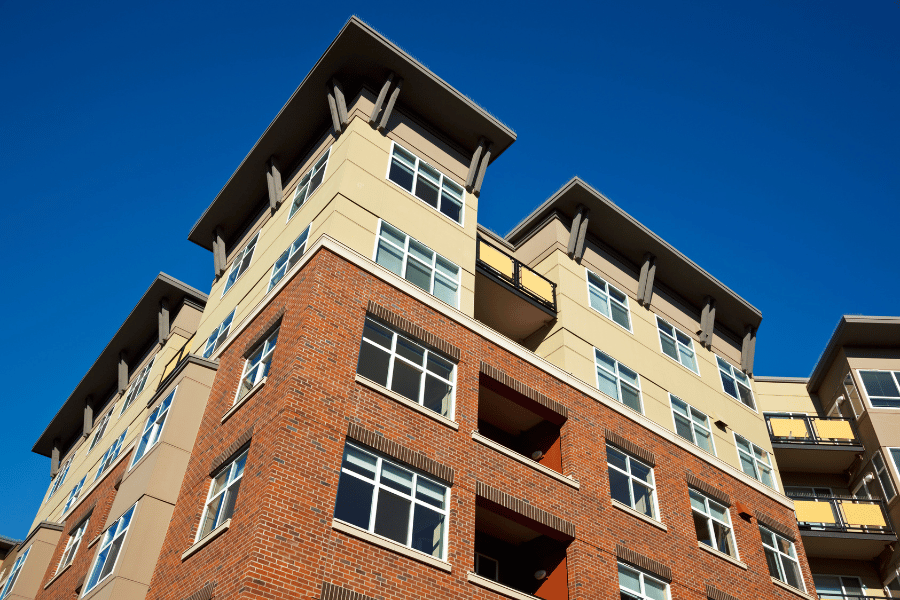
{"x":40,"y":548}
{"x":784,"y":396}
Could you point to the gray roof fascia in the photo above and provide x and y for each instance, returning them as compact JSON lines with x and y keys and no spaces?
{"x":855,"y":330}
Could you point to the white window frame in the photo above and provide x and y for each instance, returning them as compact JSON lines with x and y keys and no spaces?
{"x":137,"y":386}
{"x":651,"y":485}
{"x":260,"y":368}
{"x":679,"y":345}
{"x":862,"y":586}
{"x":219,"y":335}
{"x":479,"y":557}
{"x":60,"y":478}
{"x":100,"y":429}
{"x":886,"y":472}
{"x":14,"y":575}
{"x":609,"y":299}
{"x":779,"y":554}
{"x":737,"y":382}
{"x":708,"y":515}
{"x":642,"y":578}
{"x":412,"y":192}
{"x":288,"y":258}
{"x":692,"y":424}
{"x":238,"y":267}
{"x":619,"y":382}
{"x":407,"y":256}
{"x":756,"y":461}
{"x":110,"y":455}
{"x":152,"y":429}
{"x":225,"y":493}
{"x":895,"y":375}
{"x":116,"y":531}
{"x":316,"y":168}
{"x":72,"y":544}
{"x":74,"y":494}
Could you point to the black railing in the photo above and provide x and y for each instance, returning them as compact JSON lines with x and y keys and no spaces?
{"x":803,"y":429}
{"x":514,"y":275}
{"x":851,"y":597}
{"x":842,"y":514}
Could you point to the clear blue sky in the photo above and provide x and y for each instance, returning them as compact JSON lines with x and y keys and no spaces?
{"x":759,"y":138}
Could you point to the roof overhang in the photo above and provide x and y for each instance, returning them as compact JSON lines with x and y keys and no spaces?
{"x":358,"y":57}
{"x":138,"y":330}
{"x":855,"y":330}
{"x":7,"y":545}
{"x":632,"y":240}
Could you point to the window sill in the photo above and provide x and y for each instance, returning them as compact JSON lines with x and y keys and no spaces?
{"x":207,"y":539}
{"x":492,"y":585}
{"x":791,"y":589}
{"x":244,"y":400}
{"x":627,"y":509}
{"x":57,"y":576}
{"x":525,"y":460}
{"x":95,"y":540}
{"x":405,"y":401}
{"x":354,"y":531}
{"x":722,"y":555}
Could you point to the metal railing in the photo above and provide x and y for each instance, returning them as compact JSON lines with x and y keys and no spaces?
{"x":843,"y":514}
{"x":803,"y":429}
{"x":179,"y":356}
{"x":851,"y":597}
{"x":523,"y":279}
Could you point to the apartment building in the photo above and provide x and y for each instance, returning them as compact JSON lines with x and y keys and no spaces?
{"x":381,"y":398}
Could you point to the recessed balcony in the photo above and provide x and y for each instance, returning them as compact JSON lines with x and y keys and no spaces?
{"x":813,"y":444}
{"x":843,"y":527}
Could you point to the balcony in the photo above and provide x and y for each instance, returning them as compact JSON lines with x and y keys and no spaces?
{"x":510,"y":297}
{"x":843,"y":527}
{"x":813,"y":444}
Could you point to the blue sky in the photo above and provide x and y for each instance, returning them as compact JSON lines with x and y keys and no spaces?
{"x":760,"y":139}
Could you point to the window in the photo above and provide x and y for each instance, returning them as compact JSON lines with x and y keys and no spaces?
{"x":735,"y":383}
{"x":755,"y":461}
{"x":631,"y":482}
{"x":413,"y":371}
{"x":288,"y":258}
{"x":72,"y":546}
{"x":882,"y":388}
{"x":257,"y":365}
{"x":110,"y":547}
{"x":418,"y":264}
{"x":834,"y":587}
{"x":110,"y":455}
{"x":219,"y":335}
{"x":712,"y":522}
{"x":223,"y":493}
{"x":608,"y":301}
{"x":781,"y":558}
{"x":137,"y":386}
{"x":487,"y":567}
{"x":240,"y":263}
{"x":101,"y":428}
{"x":309,"y":183}
{"x":426,"y":183}
{"x":618,"y":381}
{"x":677,"y":345}
{"x":637,"y":585}
{"x":895,"y":456}
{"x":884,"y":478}
{"x":14,"y":574}
{"x":384,"y":498}
{"x":60,"y":478}
{"x":73,"y":495}
{"x":691,"y":424}
{"x":153,"y":428}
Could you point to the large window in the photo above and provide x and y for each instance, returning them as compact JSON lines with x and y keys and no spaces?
{"x":755,"y":461}
{"x":72,"y":546}
{"x":14,"y":574}
{"x":110,"y":547}
{"x":677,"y":345}
{"x":631,"y":481}
{"x":110,"y":455}
{"x":637,"y":585}
{"x":618,"y":381}
{"x":60,"y":478}
{"x":309,"y":183}
{"x":691,"y":424}
{"x":418,"y":264}
{"x":257,"y":365}
{"x":153,"y":428}
{"x":223,"y":493}
{"x":389,"y":500}
{"x":834,"y":587}
{"x":882,"y":388}
{"x":406,"y":367}
{"x":288,"y":258}
{"x":712,"y":522}
{"x":100,"y":429}
{"x":219,"y":335}
{"x":781,"y":558}
{"x":73,"y":495}
{"x":608,"y":301}
{"x":426,"y":183}
{"x":240,"y":263}
{"x":735,"y":383}
{"x":884,"y":477}
{"x":137,"y":386}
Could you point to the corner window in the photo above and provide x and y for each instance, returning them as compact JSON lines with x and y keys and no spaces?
{"x":840,"y":587}
{"x":73,"y":495}
{"x":712,"y":523}
{"x":755,"y":461}
{"x":309,"y":183}
{"x":240,"y":263}
{"x":219,"y":335}
{"x":631,"y":481}
{"x":72,"y":546}
{"x":691,"y":424}
{"x":60,"y":478}
{"x":389,"y":500}
{"x":137,"y":386}
{"x":781,"y":558}
{"x":14,"y":574}
{"x":608,"y":301}
{"x":418,"y":264}
{"x":110,"y":547}
{"x":637,"y":585}
{"x":100,"y":429}
{"x":735,"y":383}
{"x":406,"y":367}
{"x":257,"y":365}
{"x":426,"y":183}
{"x":153,"y":428}
{"x":884,"y":478}
{"x":288,"y":258}
{"x":110,"y":455}
{"x":618,"y":381}
{"x":677,"y":345}
{"x":223,"y":493}
{"x":882,"y":388}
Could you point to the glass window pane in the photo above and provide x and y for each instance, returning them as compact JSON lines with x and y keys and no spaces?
{"x":616,"y":458}
{"x":879,"y":383}
{"x":354,"y":501}
{"x":620,"y":316}
{"x":605,"y":361}
{"x":728,"y":385}
{"x":747,"y":465}
{"x":426,"y":190}
{"x":401,"y":174}
{"x":791,"y":573}
{"x":688,"y":359}
{"x":230,"y":500}
{"x":772,"y":562}
{"x":606,"y":382}
{"x":704,"y":439}
{"x":392,"y":234}
{"x":428,"y":531}
{"x":618,"y":487}
{"x":446,"y":291}
{"x":629,"y":579}
{"x":683,"y":428}
{"x":701,"y":526}
{"x":410,"y":351}
{"x":598,"y":301}
{"x":406,"y":380}
{"x":373,"y":363}
{"x":643,"y":498}
{"x":723,"y":538}
{"x":389,"y":257}
{"x":628,"y":375}
{"x":430,"y":492}
{"x":451,"y":207}
{"x":631,"y":398}
{"x":359,"y":462}
{"x":746,"y":395}
{"x":421,"y":252}
{"x":418,"y":274}
{"x":437,"y":395}
{"x":668,"y":346}
{"x":392,"y":516}
{"x":396,"y":478}
{"x":642,"y":472}
{"x":378,"y":334}
{"x":654,"y":589}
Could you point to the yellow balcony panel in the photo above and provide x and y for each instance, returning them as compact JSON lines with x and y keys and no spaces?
{"x":537,"y":285}
{"x":495,"y":259}
{"x":865,"y":515}
{"x":813,"y":444}
{"x":809,"y":511}
{"x":843,"y":528}
{"x":835,"y":430}
{"x":789,"y":428}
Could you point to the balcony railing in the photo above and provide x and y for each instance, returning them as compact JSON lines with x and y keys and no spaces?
{"x":179,"y":356}
{"x":826,"y":431}
{"x":852,"y":597}
{"x":841,"y":514}
{"x":521,"y":278}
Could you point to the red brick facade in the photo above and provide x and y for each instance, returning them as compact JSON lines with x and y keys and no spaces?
{"x":281,"y":544}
